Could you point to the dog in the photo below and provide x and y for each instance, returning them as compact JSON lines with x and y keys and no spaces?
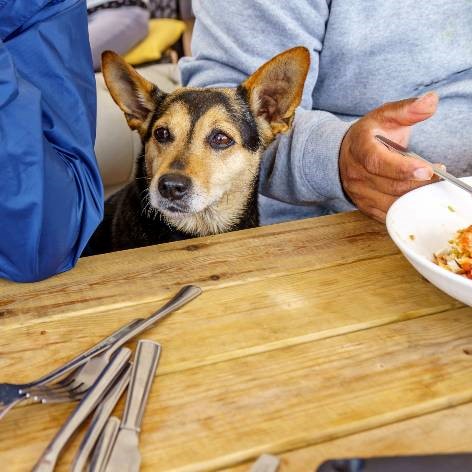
{"x":197,"y":173}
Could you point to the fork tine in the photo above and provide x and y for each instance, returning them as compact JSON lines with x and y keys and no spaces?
{"x":63,"y":398}
{"x":58,"y":394}
{"x":55,"y":393}
{"x":59,"y":386}
{"x":52,"y":389}
{"x":66,"y":381}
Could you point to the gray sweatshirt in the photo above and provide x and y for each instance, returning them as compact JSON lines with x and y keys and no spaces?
{"x":364,"y":53}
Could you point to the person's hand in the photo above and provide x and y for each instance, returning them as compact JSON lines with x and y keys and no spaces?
{"x":374,"y":177}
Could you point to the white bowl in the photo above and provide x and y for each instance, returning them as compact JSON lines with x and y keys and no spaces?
{"x":422,"y":222}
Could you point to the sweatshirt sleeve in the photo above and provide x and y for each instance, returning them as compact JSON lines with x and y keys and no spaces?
{"x":300,"y":167}
{"x":50,"y":191}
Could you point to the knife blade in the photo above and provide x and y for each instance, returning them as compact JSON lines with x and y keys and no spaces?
{"x":125,"y":455}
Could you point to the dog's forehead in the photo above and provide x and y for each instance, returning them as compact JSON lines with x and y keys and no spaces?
{"x":198,"y":102}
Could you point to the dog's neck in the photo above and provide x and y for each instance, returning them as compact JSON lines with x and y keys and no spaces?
{"x":237,"y":209}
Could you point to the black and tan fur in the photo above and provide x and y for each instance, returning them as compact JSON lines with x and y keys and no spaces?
{"x":198,"y":171}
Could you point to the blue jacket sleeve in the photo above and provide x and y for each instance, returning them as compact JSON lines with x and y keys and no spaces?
{"x":51,"y":195}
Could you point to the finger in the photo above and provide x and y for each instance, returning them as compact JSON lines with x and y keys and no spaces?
{"x":366,"y":198}
{"x":396,"y":188}
{"x":407,"y":112}
{"x":378,"y":160}
{"x":439,"y":166}
{"x":376,"y":214}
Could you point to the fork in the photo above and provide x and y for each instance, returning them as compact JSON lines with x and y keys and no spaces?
{"x":12,"y":394}
{"x":79,"y":381}
{"x":105,"y":380}
{"x":76,"y":384}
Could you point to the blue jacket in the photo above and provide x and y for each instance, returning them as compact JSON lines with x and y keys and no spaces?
{"x":51,"y":196}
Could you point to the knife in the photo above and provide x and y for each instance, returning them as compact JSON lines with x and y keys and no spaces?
{"x":118,"y":338}
{"x":125,"y":455}
{"x":266,"y":463}
{"x":99,"y":420}
{"x":102,"y":451}
{"x":395,"y":147}
{"x":47,"y":461}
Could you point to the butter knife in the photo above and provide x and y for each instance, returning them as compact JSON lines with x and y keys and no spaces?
{"x":266,"y":463}
{"x":395,"y":147}
{"x":121,"y":336}
{"x":89,"y":371}
{"x":99,"y":420}
{"x":125,"y":455}
{"x":47,"y":461}
{"x":102,"y":451}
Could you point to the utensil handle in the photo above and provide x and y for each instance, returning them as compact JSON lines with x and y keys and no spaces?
{"x":142,"y":376}
{"x":107,"y":439}
{"x":446,"y":175}
{"x":48,"y":460}
{"x":81,"y":359}
{"x":181,"y":298}
{"x":395,"y":147}
{"x":102,"y":413}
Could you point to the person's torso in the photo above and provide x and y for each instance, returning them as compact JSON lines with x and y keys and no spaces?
{"x":379,"y":51}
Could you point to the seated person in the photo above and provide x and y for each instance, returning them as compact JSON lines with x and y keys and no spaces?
{"x":51,"y":197}
{"x":364,"y":54}
{"x":117,"y":25}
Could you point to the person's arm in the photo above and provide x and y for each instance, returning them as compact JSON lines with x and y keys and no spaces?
{"x":232,"y":40}
{"x":50,"y":192}
{"x":230,"y":43}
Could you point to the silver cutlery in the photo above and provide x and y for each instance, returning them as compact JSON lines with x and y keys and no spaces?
{"x":395,"y":147}
{"x":102,"y":451}
{"x":99,"y":420}
{"x":88,"y":373}
{"x":12,"y":394}
{"x":125,"y":455}
{"x":48,"y":460}
{"x":87,"y":366}
{"x":266,"y":463}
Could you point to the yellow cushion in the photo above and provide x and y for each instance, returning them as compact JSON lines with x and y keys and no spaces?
{"x":163,"y":33}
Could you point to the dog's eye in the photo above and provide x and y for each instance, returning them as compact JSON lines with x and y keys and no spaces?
{"x":162,"y":135}
{"x":220,"y":140}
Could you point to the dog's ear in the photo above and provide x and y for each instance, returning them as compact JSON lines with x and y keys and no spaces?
{"x":136,"y":96}
{"x":275,"y":89}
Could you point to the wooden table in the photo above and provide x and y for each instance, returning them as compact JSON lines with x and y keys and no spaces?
{"x":313,"y":339}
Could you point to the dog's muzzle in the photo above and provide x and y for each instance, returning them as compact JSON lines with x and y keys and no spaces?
{"x":174,"y":187}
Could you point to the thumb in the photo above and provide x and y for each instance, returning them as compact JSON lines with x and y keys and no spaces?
{"x":408,"y":112}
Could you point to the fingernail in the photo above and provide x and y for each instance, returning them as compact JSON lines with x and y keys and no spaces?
{"x":427,"y":101}
{"x":422,"y":173}
{"x":439,"y":167}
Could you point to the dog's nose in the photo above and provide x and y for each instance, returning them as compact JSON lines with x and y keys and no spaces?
{"x":173,"y":186}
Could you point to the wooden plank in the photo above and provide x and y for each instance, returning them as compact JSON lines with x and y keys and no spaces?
{"x":241,"y":320}
{"x":146,"y":275}
{"x":219,"y":415}
{"x":442,"y":432}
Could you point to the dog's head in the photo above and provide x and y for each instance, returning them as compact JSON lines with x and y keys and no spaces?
{"x":202,"y":147}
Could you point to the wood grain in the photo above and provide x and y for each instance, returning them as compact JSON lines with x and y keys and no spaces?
{"x":442,"y":432}
{"x":218,"y":415}
{"x":309,"y":336}
{"x":146,"y":275}
{"x":281,"y":311}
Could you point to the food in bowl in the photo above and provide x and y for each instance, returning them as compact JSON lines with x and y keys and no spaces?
{"x":457,"y":257}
